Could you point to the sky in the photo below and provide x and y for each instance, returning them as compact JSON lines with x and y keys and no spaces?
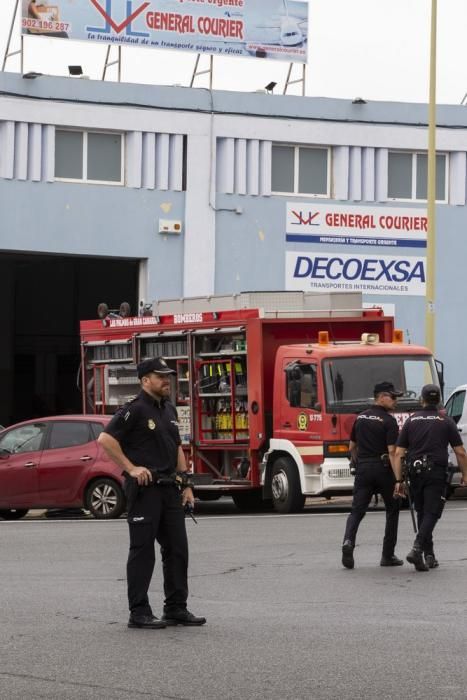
{"x":375,"y":49}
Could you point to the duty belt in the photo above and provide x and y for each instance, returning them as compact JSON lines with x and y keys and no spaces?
{"x":180,"y":480}
{"x":162,"y":478}
{"x":422,"y":464}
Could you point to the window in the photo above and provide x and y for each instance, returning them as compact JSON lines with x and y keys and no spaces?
{"x":302,"y":385}
{"x":349,"y":381}
{"x":300,"y":170}
{"x":89,"y":156}
{"x":69,"y":434}
{"x":407,"y":176}
{"x":96,"y":429}
{"x":455,"y":406}
{"x":28,"y":438}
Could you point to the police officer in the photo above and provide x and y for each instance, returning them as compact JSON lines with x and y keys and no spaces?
{"x":372,"y":447}
{"x":143,"y":439}
{"x":424,"y":441}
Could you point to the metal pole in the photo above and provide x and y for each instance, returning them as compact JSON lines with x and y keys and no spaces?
{"x":7,"y":50}
{"x":211,"y":71}
{"x":119,"y":63}
{"x":431,"y":194}
{"x":195,"y":70}
{"x":106,"y":62}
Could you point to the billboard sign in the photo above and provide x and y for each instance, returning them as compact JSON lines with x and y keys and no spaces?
{"x":273,"y":29}
{"x":356,"y":225}
{"x":369,"y":274}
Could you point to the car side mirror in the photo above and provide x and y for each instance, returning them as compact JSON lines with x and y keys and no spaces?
{"x":4,"y":454}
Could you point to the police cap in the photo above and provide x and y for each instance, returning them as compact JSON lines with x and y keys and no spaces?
{"x":386,"y":388}
{"x":156,"y":364}
{"x":431,"y":393}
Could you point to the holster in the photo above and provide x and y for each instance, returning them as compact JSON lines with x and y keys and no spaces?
{"x":421,"y":465}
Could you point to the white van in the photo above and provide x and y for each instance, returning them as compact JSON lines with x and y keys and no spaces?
{"x":456,"y":407}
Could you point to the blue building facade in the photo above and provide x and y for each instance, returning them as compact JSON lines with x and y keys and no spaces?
{"x":219,"y":192}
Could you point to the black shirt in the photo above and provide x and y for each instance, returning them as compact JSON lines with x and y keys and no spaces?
{"x":373,"y":430}
{"x":147,"y":431}
{"x":428,"y":432}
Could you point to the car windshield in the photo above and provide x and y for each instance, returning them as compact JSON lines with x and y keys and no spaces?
{"x":349,"y":381}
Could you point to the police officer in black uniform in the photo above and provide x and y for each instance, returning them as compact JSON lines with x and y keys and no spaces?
{"x":143,"y":439}
{"x":424,"y":441}
{"x":372,"y":447}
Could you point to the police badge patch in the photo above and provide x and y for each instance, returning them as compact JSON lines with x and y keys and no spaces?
{"x":151,"y":424}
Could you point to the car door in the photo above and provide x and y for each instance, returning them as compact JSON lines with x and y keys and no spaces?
{"x":20,"y":455}
{"x":68,"y":455}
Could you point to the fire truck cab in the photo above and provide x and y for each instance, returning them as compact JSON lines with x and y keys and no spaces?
{"x":267,"y":385}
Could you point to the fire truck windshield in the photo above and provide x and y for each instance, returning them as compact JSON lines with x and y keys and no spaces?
{"x":349,"y":381}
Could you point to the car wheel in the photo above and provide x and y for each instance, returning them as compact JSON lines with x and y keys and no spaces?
{"x":105,"y":499}
{"x":287,"y":495}
{"x":13,"y":513}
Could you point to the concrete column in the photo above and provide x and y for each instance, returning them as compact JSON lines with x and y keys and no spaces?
{"x":200,"y":219}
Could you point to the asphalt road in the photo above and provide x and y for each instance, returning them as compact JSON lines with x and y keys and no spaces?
{"x":285,"y":620}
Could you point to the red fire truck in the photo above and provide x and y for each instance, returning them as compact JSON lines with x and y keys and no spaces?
{"x":267,"y":385}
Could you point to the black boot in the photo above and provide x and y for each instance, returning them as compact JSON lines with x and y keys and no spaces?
{"x":390,"y":561}
{"x":431,"y":561}
{"x":147,"y":621}
{"x":415,"y":557}
{"x":347,"y":554}
{"x":181,"y":616}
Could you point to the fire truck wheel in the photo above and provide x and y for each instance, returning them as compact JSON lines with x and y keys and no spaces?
{"x":13,"y":513}
{"x":105,"y":499}
{"x":287,"y":495}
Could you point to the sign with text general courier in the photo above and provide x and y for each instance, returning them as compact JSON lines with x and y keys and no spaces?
{"x":271,"y":29}
{"x":351,"y":225}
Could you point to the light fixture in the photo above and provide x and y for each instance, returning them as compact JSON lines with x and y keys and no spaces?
{"x":75,"y":70}
{"x":31,"y":75}
{"x":358,"y":101}
{"x":270,"y":87}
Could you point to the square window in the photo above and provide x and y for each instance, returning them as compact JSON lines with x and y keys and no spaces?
{"x":300,"y":170}
{"x":400,"y":175}
{"x":69,"y":155}
{"x":88,"y":156}
{"x":313,"y":171}
{"x":283,"y":158}
{"x":408,"y":176}
{"x":422,"y":177}
{"x":104,"y":157}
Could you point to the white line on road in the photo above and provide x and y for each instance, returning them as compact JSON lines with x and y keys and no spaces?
{"x":206,"y":518}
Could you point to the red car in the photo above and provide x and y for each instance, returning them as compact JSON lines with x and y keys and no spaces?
{"x":56,"y":462}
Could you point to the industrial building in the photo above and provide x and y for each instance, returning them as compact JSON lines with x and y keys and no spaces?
{"x":113,"y":192}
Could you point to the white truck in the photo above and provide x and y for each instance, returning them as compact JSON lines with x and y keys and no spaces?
{"x":456,"y":407}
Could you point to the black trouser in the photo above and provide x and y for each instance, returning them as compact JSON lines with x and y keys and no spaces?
{"x":428,"y":489}
{"x":371,"y":478}
{"x":156,"y":513}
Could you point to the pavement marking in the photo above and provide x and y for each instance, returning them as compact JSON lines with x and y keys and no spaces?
{"x":212,"y":517}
